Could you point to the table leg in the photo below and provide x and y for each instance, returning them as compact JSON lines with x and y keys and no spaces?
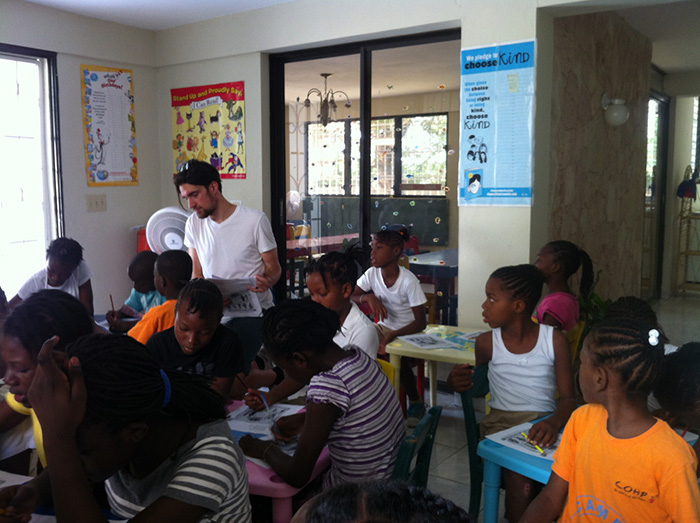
{"x":492,"y":489}
{"x":432,"y":376}
{"x":281,"y":510}
{"x":395,"y":360}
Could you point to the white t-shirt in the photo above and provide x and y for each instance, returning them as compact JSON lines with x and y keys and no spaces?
{"x":232,"y":249}
{"x":397,"y":299}
{"x":358,"y":330}
{"x":523,"y":382}
{"x":38,"y":282}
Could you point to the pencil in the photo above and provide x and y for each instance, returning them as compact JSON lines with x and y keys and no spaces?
{"x":531,"y":443}
{"x":114,"y":312}
{"x":269,"y":412}
{"x":243,"y":382}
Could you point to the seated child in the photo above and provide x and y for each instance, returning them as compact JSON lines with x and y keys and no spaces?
{"x":527,"y":364}
{"x":386,"y":501}
{"x":678,"y":390}
{"x":171,"y":273}
{"x":198,"y":343}
{"x":331,"y":281}
{"x":615,"y":458}
{"x":351,"y":406}
{"x":65,"y":271}
{"x":559,"y":260}
{"x":144,"y":295}
{"x":42,"y":315}
{"x":158,"y":439}
{"x":397,"y":300}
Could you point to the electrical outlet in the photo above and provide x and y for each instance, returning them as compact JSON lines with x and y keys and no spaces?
{"x":96,"y":202}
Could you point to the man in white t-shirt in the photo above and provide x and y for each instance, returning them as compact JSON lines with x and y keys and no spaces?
{"x":229,"y":241}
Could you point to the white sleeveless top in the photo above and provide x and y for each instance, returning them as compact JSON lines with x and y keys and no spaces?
{"x":523,"y":382}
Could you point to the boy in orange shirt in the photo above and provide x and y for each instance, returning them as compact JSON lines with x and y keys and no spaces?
{"x":171,"y":273}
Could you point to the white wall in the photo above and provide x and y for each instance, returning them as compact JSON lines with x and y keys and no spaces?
{"x":108,"y":242}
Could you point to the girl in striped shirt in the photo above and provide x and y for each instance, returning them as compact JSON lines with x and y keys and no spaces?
{"x":351,"y":406}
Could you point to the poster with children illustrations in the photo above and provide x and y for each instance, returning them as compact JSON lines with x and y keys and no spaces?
{"x":109,"y":125}
{"x":209,"y":125}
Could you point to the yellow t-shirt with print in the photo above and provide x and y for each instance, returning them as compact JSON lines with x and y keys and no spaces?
{"x":38,"y":436}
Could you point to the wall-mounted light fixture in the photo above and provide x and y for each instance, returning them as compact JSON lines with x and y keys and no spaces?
{"x":616,"y":112}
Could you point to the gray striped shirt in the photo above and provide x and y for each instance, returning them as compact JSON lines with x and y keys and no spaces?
{"x":208,"y":471}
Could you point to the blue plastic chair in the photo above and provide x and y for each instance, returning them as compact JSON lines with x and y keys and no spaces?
{"x":418,"y":445}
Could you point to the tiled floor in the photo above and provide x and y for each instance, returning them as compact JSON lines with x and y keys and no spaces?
{"x":449,"y":470}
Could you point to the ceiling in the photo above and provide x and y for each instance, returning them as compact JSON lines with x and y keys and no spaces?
{"x":672,"y":27}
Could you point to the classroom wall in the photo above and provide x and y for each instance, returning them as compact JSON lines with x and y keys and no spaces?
{"x":106,"y":236}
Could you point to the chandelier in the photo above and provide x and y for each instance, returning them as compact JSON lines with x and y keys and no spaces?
{"x":328,"y":105}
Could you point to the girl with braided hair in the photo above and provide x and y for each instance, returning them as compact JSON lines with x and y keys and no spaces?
{"x":331,"y":281}
{"x":350,"y":403}
{"x":159,"y":439}
{"x":527,"y":364}
{"x":42,"y":315}
{"x":559,"y":260}
{"x":615,"y":458}
{"x":380,"y":502}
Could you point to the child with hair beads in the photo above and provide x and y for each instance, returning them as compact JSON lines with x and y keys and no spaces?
{"x":171,"y":273}
{"x":65,"y":271}
{"x":527,"y":364}
{"x":198,"y":343}
{"x":158,"y":439}
{"x":144,"y":295}
{"x":42,"y":315}
{"x":331,"y":281}
{"x":678,"y":390}
{"x":395,"y":296}
{"x":380,"y":501}
{"x":350,"y":404}
{"x":559,"y":260}
{"x":615,"y":458}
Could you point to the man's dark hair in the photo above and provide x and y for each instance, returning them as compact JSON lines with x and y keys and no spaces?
{"x":195,"y":172}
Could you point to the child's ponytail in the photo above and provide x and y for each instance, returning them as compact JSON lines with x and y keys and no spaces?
{"x":571,"y":257}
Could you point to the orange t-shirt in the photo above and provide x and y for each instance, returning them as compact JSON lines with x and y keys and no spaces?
{"x":155,"y":320}
{"x":650,"y":477}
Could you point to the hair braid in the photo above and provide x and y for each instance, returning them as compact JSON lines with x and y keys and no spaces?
{"x":630,"y":348}
{"x":124,"y":384}
{"x":523,"y":281}
{"x":202,"y":297}
{"x":48,"y":313}
{"x":341,"y":267}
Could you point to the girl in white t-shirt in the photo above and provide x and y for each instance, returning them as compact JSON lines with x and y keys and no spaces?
{"x":395,"y":296}
{"x":331,"y":281}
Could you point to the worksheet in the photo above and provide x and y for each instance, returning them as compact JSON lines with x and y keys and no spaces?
{"x":513,"y":438}
{"x":428,"y":341}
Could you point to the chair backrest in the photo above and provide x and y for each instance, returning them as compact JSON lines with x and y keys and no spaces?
{"x":476,"y":466}
{"x":574,"y":338}
{"x":388,"y":369}
{"x":416,"y":450}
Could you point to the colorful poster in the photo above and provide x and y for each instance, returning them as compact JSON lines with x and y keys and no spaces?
{"x":497,"y":110}
{"x":209,"y":125}
{"x":109,"y":126}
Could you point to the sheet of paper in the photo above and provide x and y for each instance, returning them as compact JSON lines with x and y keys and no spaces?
{"x":242,"y":302}
{"x":249,"y":421}
{"x":514,"y":439}
{"x":429,"y":341}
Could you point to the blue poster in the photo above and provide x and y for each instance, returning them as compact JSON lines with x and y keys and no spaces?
{"x":497,"y":110}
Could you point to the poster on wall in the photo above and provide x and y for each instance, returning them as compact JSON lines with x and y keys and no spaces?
{"x":209,"y":125}
{"x":497,"y":108}
{"x":109,"y":127}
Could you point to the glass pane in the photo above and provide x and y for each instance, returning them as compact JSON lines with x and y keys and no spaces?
{"x":415,"y":109}
{"x":322,"y":208}
{"x":424,"y":155}
{"x":382,"y":152}
{"x":23,"y":199}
